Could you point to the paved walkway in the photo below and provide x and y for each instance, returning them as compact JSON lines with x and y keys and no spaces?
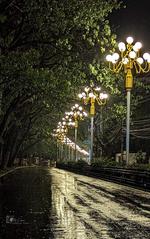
{"x":52,"y":203}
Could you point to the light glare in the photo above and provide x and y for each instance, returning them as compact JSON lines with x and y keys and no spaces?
{"x":121,"y":46}
{"x":83,"y":94}
{"x":109,"y":58}
{"x":125,"y":60}
{"x":115,"y":56}
{"x":140,"y":60}
{"x":86,"y":89}
{"x":138,"y":45}
{"x":129,"y":40}
{"x":103,"y":96}
{"x":98,"y":88}
{"x":146,"y":56}
{"x":91,"y":94}
{"x":132,"y":54}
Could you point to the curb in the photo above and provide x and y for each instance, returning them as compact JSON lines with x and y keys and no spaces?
{"x":12,"y":170}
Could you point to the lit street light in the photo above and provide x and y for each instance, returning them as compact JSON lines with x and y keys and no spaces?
{"x":60,"y":133}
{"x":76,"y":114}
{"x":92,"y":95}
{"x":130,"y":61}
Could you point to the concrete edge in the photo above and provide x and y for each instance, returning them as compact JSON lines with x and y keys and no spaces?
{"x":12,"y":170}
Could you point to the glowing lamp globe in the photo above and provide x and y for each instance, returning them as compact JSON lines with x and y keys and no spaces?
{"x":137,"y":46}
{"x":121,"y":46}
{"x":132,"y":54}
{"x":115,"y":56}
{"x":129,"y":40}
{"x":125,"y":60}
{"x":109,"y":58}
{"x":140,"y":60}
{"x":146,"y":56}
{"x":91,"y":94}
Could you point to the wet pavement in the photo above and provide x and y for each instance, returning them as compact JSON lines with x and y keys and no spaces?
{"x":52,"y":203}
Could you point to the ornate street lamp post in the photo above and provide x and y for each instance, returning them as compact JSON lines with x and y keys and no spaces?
{"x":76,"y":114}
{"x":130,"y":61}
{"x":60,"y":133}
{"x":92,"y":95}
{"x":66,"y":123}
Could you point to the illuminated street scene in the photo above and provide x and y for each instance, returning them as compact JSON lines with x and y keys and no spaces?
{"x":74,"y":119}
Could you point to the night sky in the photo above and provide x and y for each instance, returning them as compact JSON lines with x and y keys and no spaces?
{"x":134,"y":20}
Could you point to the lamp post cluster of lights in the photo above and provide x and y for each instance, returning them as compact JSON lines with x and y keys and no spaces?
{"x":71,"y":144}
{"x":60,"y":133}
{"x":75,"y":115}
{"x":129,"y":60}
{"x":71,"y":120}
{"x":93,"y":95}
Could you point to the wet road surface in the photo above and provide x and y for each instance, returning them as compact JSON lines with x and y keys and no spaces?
{"x":52,"y":203}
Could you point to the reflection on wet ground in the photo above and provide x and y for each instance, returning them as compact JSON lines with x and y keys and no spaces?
{"x":51,"y":203}
{"x":25,"y":202}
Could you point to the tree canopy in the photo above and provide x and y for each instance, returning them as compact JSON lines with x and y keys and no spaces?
{"x":46,"y":47}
